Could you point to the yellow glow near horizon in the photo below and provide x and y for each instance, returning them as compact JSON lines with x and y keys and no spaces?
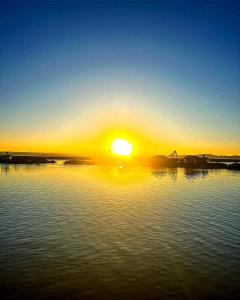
{"x":121,"y":147}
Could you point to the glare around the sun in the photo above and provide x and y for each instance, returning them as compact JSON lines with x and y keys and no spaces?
{"x":121,"y":147}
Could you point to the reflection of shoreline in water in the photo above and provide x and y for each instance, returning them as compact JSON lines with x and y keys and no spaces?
{"x":7,"y":168}
{"x":195,"y":173}
{"x":124,"y":173}
{"x":173,"y":173}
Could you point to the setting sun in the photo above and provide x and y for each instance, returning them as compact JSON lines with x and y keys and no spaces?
{"x":121,"y":147}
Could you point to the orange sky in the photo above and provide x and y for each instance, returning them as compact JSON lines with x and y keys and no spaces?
{"x":148,"y":136}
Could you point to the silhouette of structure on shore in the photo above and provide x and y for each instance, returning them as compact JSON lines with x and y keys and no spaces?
{"x":189,"y":162}
{"x":173,"y":154}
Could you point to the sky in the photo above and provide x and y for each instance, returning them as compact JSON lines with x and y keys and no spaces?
{"x":165,"y":75}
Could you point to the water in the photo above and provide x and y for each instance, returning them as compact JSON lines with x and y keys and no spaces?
{"x":74,"y":232}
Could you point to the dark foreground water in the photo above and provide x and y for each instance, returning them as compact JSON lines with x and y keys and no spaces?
{"x":72,"y":232}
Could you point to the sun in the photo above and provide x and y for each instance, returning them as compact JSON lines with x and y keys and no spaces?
{"x":121,"y":147}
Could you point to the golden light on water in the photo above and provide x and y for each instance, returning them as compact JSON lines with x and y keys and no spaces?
{"x":121,"y":147}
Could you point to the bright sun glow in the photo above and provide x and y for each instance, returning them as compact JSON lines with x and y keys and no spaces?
{"x":121,"y":147}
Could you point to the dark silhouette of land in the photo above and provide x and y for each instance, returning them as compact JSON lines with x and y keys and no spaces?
{"x":190,"y":162}
{"x":81,"y":161}
{"x":9,"y":159}
{"x":159,"y":161}
{"x":156,"y":161}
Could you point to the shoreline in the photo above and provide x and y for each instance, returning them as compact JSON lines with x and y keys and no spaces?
{"x":158,"y":161}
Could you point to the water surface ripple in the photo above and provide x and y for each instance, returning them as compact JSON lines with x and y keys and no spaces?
{"x":73,"y":232}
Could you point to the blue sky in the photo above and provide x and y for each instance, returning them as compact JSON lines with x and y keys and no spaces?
{"x":175,"y":64}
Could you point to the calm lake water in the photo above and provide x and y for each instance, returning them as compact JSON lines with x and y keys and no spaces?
{"x":74,"y":232}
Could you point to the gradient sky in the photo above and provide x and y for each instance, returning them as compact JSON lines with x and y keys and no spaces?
{"x":166,"y":74}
